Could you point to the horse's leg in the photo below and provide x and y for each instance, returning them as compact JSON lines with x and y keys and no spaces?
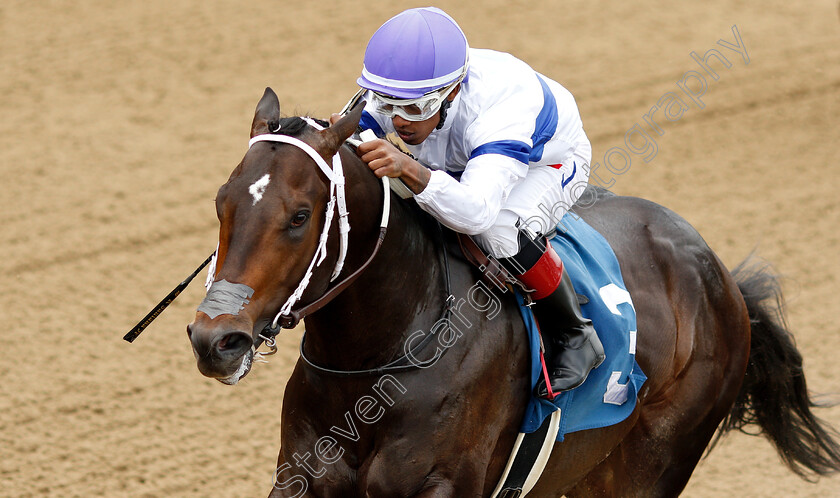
{"x":677,"y":421}
{"x":285,"y":485}
{"x":293,"y":481}
{"x":653,"y":461}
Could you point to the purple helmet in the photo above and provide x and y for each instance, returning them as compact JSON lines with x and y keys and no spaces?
{"x":413,"y":53}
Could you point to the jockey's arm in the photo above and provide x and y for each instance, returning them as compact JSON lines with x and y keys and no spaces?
{"x":470,"y":205}
{"x":386,"y":160}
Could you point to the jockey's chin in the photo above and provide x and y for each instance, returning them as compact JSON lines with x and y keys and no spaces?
{"x":415,"y":132}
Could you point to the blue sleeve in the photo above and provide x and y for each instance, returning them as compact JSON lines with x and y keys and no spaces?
{"x":369,"y":123}
{"x":510,"y":148}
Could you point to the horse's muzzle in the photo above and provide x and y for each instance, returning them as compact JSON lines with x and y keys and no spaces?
{"x":221,"y":355}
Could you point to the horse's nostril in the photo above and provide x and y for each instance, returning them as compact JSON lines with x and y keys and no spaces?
{"x":189,"y":331}
{"x":234,"y":342}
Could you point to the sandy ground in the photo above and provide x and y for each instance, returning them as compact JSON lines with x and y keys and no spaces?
{"x":120,"y":120}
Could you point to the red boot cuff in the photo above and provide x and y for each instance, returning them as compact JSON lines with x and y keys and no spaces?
{"x":544,"y":277}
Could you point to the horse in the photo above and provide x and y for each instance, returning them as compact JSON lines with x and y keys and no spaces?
{"x":385,"y":401}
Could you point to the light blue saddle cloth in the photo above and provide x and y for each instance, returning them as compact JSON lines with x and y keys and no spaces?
{"x":609,"y":394}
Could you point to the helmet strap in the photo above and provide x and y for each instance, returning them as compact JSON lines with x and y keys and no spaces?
{"x":444,"y":106}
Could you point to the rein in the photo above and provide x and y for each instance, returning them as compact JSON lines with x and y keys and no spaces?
{"x":407,"y":361}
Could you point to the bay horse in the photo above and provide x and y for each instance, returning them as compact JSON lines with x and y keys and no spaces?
{"x":360,"y":420}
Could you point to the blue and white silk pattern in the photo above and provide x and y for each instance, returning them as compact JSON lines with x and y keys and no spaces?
{"x":505,"y":120}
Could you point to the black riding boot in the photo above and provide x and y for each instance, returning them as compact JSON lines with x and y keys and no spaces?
{"x":572,"y":346}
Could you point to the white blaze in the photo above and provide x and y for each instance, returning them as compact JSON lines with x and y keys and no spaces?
{"x":258,"y":188}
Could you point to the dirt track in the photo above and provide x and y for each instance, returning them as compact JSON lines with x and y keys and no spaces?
{"x":119,"y":123}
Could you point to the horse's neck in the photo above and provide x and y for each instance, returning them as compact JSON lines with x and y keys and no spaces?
{"x":400,"y":292}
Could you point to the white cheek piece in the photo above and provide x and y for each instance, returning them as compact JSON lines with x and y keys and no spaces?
{"x":337,"y":198}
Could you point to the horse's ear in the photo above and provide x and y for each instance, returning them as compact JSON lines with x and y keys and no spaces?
{"x":336,"y":134}
{"x":268,"y":110}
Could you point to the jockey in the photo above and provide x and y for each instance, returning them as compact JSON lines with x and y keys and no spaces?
{"x":501,"y":155}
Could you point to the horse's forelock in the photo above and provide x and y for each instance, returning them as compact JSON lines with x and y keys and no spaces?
{"x":292,"y":126}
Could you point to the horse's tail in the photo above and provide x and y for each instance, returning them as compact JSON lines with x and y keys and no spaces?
{"x":774,"y":395}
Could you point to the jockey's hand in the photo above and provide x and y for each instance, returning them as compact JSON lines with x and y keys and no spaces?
{"x":385,"y":159}
{"x":334,"y":117}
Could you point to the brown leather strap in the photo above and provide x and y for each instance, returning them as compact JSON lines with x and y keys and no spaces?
{"x":493,"y":272}
{"x":295,"y":316}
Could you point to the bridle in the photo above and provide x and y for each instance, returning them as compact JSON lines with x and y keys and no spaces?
{"x":335,"y":174}
{"x":288,"y":316}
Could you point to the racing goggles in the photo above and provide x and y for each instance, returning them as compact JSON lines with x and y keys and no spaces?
{"x":419,"y":109}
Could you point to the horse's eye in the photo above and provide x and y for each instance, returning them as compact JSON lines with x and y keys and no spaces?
{"x":299,"y":219}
